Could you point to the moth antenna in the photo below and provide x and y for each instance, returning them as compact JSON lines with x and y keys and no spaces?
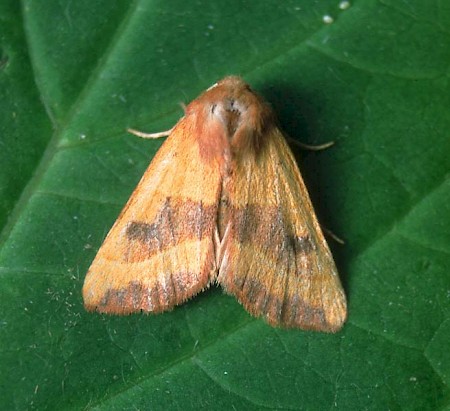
{"x":150,"y":135}
{"x":310,"y":147}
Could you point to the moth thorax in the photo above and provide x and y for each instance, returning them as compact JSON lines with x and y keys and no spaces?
{"x":244,"y":124}
{"x":230,"y":112}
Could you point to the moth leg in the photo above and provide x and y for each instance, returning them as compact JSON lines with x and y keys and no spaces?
{"x":220,"y":244}
{"x":333,"y":236}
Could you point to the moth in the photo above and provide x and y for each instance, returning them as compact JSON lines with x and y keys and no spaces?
{"x":222,"y":202}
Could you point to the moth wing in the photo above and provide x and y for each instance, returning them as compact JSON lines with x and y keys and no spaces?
{"x":275,"y":259}
{"x":160,"y":250}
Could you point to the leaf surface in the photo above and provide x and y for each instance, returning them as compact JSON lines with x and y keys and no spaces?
{"x":75,"y":75}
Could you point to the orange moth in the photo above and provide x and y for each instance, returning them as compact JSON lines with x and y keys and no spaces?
{"x":222,"y":202}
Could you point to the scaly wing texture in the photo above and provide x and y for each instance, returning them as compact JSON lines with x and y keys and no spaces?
{"x":160,"y":250}
{"x":275,"y":259}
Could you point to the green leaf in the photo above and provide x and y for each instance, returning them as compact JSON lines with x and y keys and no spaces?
{"x":75,"y":75}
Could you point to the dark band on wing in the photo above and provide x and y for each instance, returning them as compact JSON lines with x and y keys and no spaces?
{"x":137,"y":296}
{"x":268,"y":228}
{"x":289,"y":311}
{"x":177,"y":221}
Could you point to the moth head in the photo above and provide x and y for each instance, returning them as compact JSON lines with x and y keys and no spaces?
{"x":244,"y":116}
{"x":230,"y":121}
